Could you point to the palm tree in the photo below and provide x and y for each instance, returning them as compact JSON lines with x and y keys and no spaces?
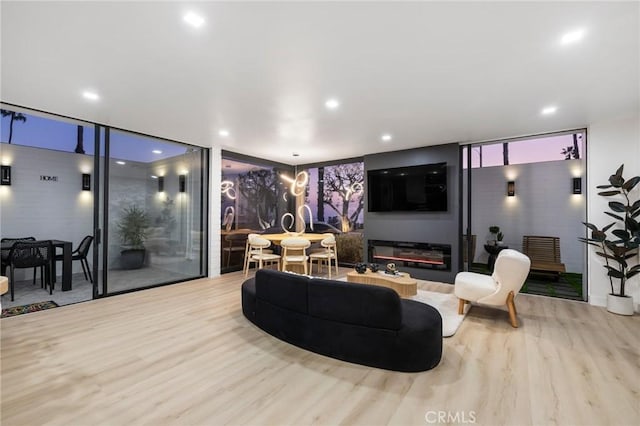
{"x":576,"y":153}
{"x":15,"y":116}
{"x":80,"y":140}
{"x":505,"y":153}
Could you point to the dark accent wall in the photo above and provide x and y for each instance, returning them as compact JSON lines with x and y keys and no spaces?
{"x":422,"y":227}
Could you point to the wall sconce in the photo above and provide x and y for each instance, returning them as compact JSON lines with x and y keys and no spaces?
{"x":160,"y":183}
{"x":511,"y":188}
{"x":577,"y":185}
{"x":86,"y":182}
{"x":182,"y":183}
{"x":5,"y":175}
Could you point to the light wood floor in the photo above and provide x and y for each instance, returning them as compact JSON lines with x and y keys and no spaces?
{"x":185,"y":355}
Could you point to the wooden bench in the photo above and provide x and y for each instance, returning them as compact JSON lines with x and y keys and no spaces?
{"x":544,"y":253}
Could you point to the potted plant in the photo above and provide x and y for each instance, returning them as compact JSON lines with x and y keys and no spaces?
{"x":618,"y":241}
{"x":499,"y":238}
{"x":132,"y":231}
{"x":494,"y":231}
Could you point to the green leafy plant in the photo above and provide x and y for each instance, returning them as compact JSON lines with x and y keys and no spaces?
{"x":132,"y":226}
{"x":494,"y":229}
{"x":499,"y":236}
{"x":618,"y":244}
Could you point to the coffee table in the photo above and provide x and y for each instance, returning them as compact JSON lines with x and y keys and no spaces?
{"x":403,"y":284}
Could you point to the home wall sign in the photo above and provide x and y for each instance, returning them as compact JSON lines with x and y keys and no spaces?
{"x":49,"y":178}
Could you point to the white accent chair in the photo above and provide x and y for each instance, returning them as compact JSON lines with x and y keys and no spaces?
{"x":328,"y":254}
{"x":294,"y":252}
{"x":257,"y":253}
{"x":500,"y":288}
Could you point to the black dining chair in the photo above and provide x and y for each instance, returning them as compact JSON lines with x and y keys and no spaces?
{"x":5,"y":254}
{"x":31,"y":254}
{"x":81,"y":254}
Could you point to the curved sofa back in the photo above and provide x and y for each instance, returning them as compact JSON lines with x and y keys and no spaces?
{"x":357,"y":304}
{"x":364,"y":324}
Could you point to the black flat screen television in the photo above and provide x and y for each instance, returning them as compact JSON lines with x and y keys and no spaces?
{"x":416,"y":188}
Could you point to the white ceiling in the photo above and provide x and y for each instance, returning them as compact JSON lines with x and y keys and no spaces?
{"x":428,"y":73}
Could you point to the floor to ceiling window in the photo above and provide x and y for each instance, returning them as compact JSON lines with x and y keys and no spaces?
{"x":156,"y":216}
{"x":59,"y":191}
{"x":253,"y":199}
{"x":525,"y":194}
{"x":335,"y":196}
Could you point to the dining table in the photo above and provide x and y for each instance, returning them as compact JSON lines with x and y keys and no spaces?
{"x":5,"y":246}
{"x":277,"y":238}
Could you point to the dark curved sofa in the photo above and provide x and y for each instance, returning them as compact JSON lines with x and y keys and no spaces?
{"x":359,"y":323}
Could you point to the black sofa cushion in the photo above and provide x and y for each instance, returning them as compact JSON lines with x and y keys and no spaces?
{"x":416,"y":345}
{"x":282,"y":289}
{"x":356,"y":304}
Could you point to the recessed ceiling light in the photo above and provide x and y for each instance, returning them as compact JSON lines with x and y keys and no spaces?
{"x":92,"y":96}
{"x":386,"y":137}
{"x":332,"y":103}
{"x":194,"y":19}
{"x":572,"y":37}
{"x":157,"y":151}
{"x":154,"y":177}
{"x":295,"y":154}
{"x":223,"y":133}
{"x":549,"y":110}
{"x":122,"y":163}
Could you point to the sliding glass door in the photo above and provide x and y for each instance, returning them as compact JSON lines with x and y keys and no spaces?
{"x":153,"y":213}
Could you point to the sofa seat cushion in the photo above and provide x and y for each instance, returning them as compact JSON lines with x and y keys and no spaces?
{"x":472,"y":286}
{"x":357,"y":304}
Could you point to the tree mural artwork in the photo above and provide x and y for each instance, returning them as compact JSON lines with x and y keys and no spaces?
{"x":259,"y":189}
{"x":343,"y":192}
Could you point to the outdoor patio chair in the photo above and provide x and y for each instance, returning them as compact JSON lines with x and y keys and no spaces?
{"x":5,"y":254}
{"x":81,"y":254}
{"x":32,"y":254}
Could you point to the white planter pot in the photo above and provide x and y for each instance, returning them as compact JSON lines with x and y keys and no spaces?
{"x":621,"y":305}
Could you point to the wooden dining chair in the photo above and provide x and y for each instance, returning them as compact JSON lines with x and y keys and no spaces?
{"x":258,"y":253}
{"x":326,"y":256}
{"x":294,"y":252}
{"x":234,"y":243}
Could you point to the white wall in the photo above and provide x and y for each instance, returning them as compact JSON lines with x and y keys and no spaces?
{"x":543,"y":205}
{"x":215,"y":202}
{"x":45,"y":209}
{"x":610,"y":144}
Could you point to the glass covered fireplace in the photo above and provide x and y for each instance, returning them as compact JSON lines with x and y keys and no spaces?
{"x":411,"y":254}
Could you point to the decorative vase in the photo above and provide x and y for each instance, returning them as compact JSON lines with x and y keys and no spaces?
{"x":391,"y":269}
{"x":374,"y":267}
{"x":361,"y":268}
{"x":621,"y":305}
